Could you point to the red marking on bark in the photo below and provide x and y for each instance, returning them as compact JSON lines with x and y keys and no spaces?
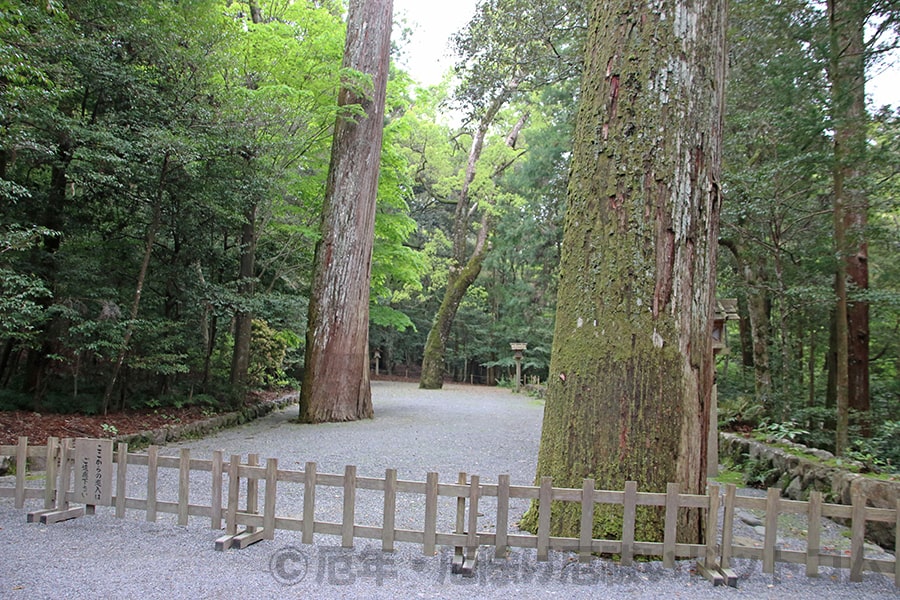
{"x":665,"y":265}
{"x":613,"y":96}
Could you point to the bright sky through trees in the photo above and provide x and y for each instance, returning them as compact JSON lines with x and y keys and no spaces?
{"x":428,"y":54}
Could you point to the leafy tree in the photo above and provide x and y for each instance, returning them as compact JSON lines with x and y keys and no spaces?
{"x":776,"y":150}
{"x":510,"y":48}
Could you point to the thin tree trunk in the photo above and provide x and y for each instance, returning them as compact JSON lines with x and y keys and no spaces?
{"x":744,"y":333}
{"x":255,"y":11}
{"x":847,"y":20}
{"x":243,"y":318}
{"x":759,"y":330}
{"x":336,"y":374}
{"x":760,"y":333}
{"x":149,"y":240}
{"x":462,"y":277}
{"x":432,"y":376}
{"x":811,"y":371}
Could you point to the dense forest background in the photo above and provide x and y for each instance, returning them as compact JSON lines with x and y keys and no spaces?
{"x":150,"y":151}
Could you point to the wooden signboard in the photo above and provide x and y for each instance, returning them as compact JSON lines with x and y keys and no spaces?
{"x":93,"y":471}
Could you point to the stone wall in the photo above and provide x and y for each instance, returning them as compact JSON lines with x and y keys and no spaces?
{"x":797,"y":476}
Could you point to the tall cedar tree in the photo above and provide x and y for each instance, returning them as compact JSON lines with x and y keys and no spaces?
{"x":847,"y":20}
{"x":336,"y":375}
{"x":631,"y":371}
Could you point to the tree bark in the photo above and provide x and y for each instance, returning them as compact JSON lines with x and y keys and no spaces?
{"x":336,"y":374}
{"x":243,"y":318}
{"x":631,"y":372}
{"x":847,"y":19}
{"x":760,"y":333}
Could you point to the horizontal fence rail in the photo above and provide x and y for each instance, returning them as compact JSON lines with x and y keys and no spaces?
{"x":250,"y":511}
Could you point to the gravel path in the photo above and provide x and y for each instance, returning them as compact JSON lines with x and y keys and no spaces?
{"x":485,"y":431}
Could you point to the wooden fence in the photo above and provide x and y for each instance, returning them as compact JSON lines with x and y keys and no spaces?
{"x":74,"y":476}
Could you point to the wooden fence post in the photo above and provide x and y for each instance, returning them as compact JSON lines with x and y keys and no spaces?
{"x":586,"y":538}
{"x":50,"y":479}
{"x":857,"y":534}
{"x":431,"y":498}
{"x":234,"y":494}
{"x":500,"y":546}
{"x":184,"y":485}
{"x":152,"y":473}
{"x":349,"y":506}
{"x":21,"y":468}
{"x":472,"y":539}
{"x":215,"y":511}
{"x":628,"y":517}
{"x":121,"y":478}
{"x":458,"y":557}
{"x":772,"y":499}
{"x":545,"y":496}
{"x":670,"y":526}
{"x":813,"y":533}
{"x":270,"y":498}
{"x":252,"y":503}
{"x":309,"y":502}
{"x":390,"y":509}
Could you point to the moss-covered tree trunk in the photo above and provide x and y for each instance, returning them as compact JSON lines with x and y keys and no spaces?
{"x":632,"y":366}
{"x":336,"y":372}
{"x":466,"y":267}
{"x":432,"y":377}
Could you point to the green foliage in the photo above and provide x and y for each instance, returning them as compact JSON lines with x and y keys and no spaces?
{"x":789,"y":431}
{"x":760,"y":473}
{"x":739,"y":412}
{"x":777,"y":224}
{"x":882,"y":450}
{"x":128,"y":126}
{"x":268,"y":351}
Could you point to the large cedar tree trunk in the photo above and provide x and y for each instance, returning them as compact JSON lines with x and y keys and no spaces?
{"x":631,"y":371}
{"x":336,"y":374}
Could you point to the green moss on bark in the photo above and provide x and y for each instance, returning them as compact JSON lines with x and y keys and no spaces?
{"x":631,"y":368}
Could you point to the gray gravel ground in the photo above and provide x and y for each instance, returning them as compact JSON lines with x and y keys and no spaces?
{"x":485,"y":431}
